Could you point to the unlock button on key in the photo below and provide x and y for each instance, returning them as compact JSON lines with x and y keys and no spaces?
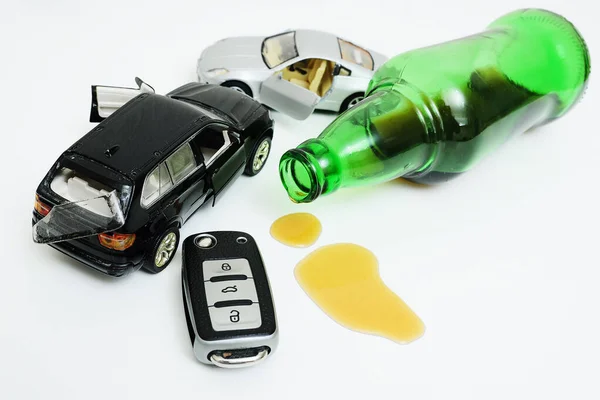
{"x":235,"y":317}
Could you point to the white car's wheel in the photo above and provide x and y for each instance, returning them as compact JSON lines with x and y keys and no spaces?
{"x":238,"y":87}
{"x":355,"y":101}
{"x":351,"y":101}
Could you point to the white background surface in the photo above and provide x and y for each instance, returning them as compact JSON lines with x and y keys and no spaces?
{"x":501,"y":264}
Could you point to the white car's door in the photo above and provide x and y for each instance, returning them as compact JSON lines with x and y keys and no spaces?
{"x":288,"y":98}
{"x":108,"y":99}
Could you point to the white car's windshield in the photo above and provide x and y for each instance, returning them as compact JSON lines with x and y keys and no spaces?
{"x":278,"y":49}
{"x":356,"y":55}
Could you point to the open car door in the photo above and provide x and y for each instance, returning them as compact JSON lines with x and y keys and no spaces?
{"x":287,"y":97}
{"x":108,"y":99}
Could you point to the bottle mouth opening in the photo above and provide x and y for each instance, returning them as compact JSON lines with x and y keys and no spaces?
{"x":299,"y":177}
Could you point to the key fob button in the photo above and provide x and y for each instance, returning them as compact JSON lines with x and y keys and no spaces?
{"x":216,"y":268}
{"x":230,"y":290}
{"x":235,"y":317}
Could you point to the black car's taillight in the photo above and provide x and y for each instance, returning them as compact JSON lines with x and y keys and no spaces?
{"x":42,"y":208}
{"x":117,"y":241}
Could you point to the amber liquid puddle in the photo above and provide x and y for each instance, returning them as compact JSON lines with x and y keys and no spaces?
{"x":297,"y":230}
{"x":343,"y":279}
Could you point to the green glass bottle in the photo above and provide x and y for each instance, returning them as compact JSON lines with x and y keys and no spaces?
{"x":432,"y":113}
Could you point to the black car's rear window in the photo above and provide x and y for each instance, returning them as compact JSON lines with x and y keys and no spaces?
{"x":74,"y":185}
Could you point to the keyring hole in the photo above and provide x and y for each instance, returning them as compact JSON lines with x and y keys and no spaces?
{"x":242,"y":240}
{"x":205,"y":241}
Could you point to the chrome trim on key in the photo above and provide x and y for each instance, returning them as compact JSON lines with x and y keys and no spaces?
{"x":232,"y":362}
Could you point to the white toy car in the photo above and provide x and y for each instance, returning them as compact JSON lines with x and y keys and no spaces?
{"x":294,"y":72}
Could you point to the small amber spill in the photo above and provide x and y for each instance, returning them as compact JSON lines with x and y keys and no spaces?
{"x":297,"y":230}
{"x":343,"y":279}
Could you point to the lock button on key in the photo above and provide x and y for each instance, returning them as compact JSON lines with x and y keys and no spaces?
{"x":219,"y":268}
{"x":235,"y":317}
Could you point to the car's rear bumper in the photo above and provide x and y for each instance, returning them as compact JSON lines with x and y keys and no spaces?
{"x":110,"y":264}
{"x":121,"y":268}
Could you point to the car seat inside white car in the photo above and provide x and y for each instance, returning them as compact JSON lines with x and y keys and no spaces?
{"x":279,"y":49}
{"x":272,"y":53}
{"x":313,"y":74}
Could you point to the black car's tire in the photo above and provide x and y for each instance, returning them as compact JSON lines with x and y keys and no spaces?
{"x":163,"y":251}
{"x":259,"y":156}
{"x":351,"y":101}
{"x":239,"y":86}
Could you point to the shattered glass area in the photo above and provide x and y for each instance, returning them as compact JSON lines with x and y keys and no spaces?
{"x":78,"y":219}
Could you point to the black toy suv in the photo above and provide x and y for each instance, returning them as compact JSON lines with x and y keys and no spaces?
{"x":115,"y":200}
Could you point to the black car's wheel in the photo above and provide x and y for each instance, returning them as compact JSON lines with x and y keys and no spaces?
{"x":259,"y":156}
{"x":163,"y":251}
{"x":351,"y":101}
{"x":238,"y":86}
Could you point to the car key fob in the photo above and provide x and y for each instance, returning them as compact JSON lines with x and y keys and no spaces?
{"x":227,"y":299}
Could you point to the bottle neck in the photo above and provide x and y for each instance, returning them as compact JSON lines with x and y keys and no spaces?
{"x":386,"y":136}
{"x":309,"y":171}
{"x":390,"y":134}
